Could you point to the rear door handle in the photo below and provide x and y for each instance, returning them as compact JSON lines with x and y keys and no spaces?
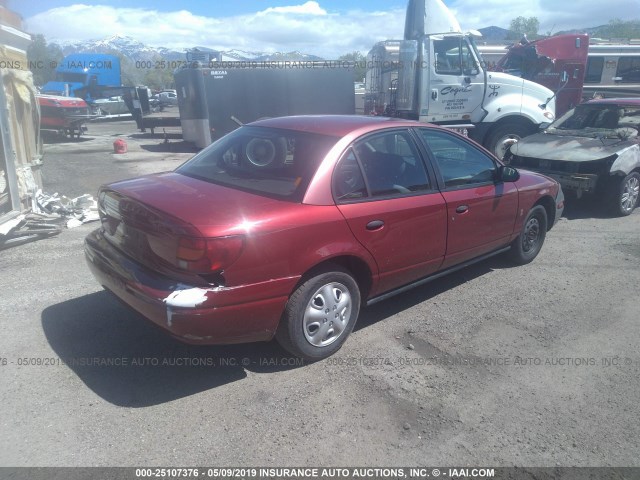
{"x":375,"y":225}
{"x":462,"y":209}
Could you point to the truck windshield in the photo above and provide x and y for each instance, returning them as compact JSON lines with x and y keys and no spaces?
{"x":267,"y":161}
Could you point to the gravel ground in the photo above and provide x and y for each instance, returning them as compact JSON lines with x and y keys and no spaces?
{"x":494,"y":365}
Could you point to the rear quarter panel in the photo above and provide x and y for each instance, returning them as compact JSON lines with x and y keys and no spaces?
{"x":291,"y":243}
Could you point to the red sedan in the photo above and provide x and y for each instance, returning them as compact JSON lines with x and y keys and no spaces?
{"x":288,"y":226}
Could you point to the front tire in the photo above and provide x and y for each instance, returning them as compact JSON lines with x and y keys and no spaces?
{"x":529,"y":243}
{"x":624,"y":194}
{"x":320,"y":314}
{"x":502,"y":136}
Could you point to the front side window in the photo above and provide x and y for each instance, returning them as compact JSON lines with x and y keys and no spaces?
{"x":460,"y":163}
{"x":447,"y":56}
{"x":272,"y":162}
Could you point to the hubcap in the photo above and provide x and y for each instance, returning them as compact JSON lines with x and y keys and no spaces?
{"x":531,"y":235}
{"x":629,"y":196}
{"x":327,"y":314}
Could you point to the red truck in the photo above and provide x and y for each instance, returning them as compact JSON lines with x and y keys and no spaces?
{"x":558,"y":63}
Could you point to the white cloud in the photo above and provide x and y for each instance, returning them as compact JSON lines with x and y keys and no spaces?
{"x":309,"y":8}
{"x":306,"y":27}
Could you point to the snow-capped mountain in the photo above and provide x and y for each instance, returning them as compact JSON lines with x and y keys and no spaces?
{"x":127,"y":46}
{"x":138,"y":51}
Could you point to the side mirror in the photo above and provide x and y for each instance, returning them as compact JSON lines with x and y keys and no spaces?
{"x":508,"y":174}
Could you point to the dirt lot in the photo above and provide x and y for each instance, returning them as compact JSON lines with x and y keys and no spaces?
{"x":494,"y":365}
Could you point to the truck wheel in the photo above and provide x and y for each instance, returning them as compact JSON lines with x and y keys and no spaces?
{"x":320,"y":314}
{"x":502,"y":136}
{"x":624,"y":194}
{"x":529,"y":243}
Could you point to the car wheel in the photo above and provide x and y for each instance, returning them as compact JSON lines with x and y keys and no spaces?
{"x":529,"y":243}
{"x":503,"y":136}
{"x":320,"y":314}
{"x":625,"y":194}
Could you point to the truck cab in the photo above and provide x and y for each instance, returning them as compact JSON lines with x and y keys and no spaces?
{"x":437,"y":75}
{"x":558,"y":63}
{"x":85,"y":75}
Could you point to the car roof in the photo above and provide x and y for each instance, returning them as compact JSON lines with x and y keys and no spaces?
{"x":616,"y":101}
{"x":333,"y":125}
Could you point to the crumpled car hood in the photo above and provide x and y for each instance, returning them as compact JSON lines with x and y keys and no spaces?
{"x":569,"y":148}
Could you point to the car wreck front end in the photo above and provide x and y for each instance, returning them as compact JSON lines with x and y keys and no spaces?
{"x":579,"y":164}
{"x":592,"y":149}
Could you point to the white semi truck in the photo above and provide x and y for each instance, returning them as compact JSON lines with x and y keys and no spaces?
{"x":437,"y":75}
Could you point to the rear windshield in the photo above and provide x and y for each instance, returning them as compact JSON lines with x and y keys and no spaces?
{"x":267,"y":161}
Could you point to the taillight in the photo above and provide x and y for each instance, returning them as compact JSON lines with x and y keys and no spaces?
{"x":207,"y":255}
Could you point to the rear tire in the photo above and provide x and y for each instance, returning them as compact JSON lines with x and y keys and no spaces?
{"x":529,"y":243}
{"x":624,"y":194}
{"x":320,"y":314}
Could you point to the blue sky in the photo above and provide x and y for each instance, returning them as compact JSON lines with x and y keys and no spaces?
{"x":29,"y":8}
{"x":327,"y":28}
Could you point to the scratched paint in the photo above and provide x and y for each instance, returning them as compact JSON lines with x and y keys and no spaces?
{"x":184,"y":298}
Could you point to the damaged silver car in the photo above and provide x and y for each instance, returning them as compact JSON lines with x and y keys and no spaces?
{"x":592,"y":149}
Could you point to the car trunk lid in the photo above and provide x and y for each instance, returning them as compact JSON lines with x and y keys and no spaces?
{"x":162,"y":220}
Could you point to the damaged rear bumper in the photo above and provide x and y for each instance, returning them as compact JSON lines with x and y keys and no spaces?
{"x":192,"y":314}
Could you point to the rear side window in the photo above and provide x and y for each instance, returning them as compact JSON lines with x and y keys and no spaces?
{"x":271,"y":162}
{"x":460,"y":163}
{"x":348,"y":182}
{"x":380,"y":165}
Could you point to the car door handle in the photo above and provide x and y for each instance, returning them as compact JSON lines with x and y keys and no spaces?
{"x":375,"y":225}
{"x":462,"y":209}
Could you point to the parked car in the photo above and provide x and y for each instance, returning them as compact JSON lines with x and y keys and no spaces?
{"x":593,"y":149}
{"x":287,"y":226}
{"x":167,"y":98}
{"x":111,"y":106}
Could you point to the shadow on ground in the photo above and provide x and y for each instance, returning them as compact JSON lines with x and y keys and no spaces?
{"x":172,"y":147}
{"x":586,"y":207}
{"x":159,"y":132}
{"x":131,"y":363}
{"x":52,"y":137}
{"x":394,"y":305}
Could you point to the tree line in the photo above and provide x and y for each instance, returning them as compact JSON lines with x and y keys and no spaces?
{"x":615,"y":29}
